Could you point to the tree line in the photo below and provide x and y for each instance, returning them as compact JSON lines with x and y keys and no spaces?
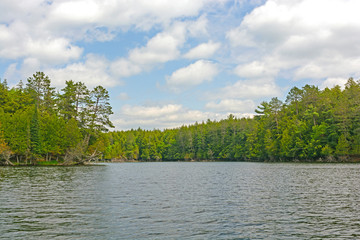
{"x":311,"y":125}
{"x":39,"y":123}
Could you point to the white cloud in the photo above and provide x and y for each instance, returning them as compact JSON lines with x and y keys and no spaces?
{"x":332,"y":82}
{"x":192,"y":75}
{"x":144,"y":14}
{"x":204,"y":50}
{"x":141,"y":14}
{"x":160,"y":117}
{"x":242,"y":96}
{"x":49,"y":30}
{"x":198,"y":27}
{"x":161,"y":48}
{"x":255,"y":69}
{"x":75,"y":12}
{"x":15,"y":71}
{"x":94,"y":71}
{"x":17,"y":42}
{"x":232,"y":105}
{"x":247,"y":89}
{"x":16,"y":9}
{"x":28,"y":67}
{"x":240,"y":37}
{"x":329,"y":67}
{"x":54,"y":51}
{"x":153,"y":111}
{"x":124,"y":68}
{"x":12,"y":73}
{"x":310,"y":39}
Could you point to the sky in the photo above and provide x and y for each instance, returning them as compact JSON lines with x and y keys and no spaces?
{"x":170,"y":63}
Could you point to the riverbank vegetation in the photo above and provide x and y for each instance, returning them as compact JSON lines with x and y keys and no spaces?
{"x":311,"y":125}
{"x":42,"y":125}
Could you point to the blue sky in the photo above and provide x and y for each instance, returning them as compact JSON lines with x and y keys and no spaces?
{"x":168,"y":63}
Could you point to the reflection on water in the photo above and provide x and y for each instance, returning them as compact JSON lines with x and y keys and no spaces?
{"x":181,"y":201}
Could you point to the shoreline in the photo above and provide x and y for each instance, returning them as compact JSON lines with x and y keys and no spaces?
{"x":97,"y":163}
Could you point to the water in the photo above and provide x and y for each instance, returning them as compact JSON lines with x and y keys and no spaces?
{"x":181,"y":201}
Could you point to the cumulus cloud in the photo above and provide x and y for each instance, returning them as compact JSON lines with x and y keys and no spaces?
{"x":17,"y":42}
{"x":124,"y":68}
{"x":311,"y":39}
{"x":333,"y":67}
{"x":60,"y":25}
{"x":161,"y":48}
{"x":54,"y":51}
{"x":22,"y":71}
{"x":160,"y":116}
{"x":192,"y":75}
{"x":242,"y":96}
{"x":332,"y":82}
{"x":240,"y":37}
{"x":12,"y":73}
{"x":140,"y":14}
{"x":204,"y":50}
{"x":248,"y":89}
{"x":94,"y":71}
{"x":153,"y":111}
{"x":256,"y":69}
{"x":232,"y":105}
{"x":198,"y":27}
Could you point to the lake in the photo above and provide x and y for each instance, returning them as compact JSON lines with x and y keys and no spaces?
{"x":181,"y":200}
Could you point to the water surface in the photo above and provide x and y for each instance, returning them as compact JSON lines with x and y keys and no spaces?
{"x":208,"y":200}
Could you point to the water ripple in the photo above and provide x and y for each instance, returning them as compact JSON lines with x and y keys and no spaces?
{"x":181,"y":201}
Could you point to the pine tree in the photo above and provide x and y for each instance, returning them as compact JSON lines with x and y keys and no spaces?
{"x":39,"y":87}
{"x":99,"y":110}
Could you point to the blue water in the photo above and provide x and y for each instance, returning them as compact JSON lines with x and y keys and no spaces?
{"x":208,"y":200}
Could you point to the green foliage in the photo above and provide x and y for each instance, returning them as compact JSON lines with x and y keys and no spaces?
{"x":312,"y":124}
{"x":39,"y":88}
{"x":37,"y":124}
{"x":343,"y":146}
{"x":99,"y":110}
{"x":35,"y":143}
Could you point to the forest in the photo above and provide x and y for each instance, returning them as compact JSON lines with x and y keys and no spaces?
{"x":311,"y":125}
{"x":42,"y":125}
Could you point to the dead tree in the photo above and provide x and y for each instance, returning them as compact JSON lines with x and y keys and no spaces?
{"x":78,"y":155}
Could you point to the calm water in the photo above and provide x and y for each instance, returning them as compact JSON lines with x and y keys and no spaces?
{"x":181,"y":201}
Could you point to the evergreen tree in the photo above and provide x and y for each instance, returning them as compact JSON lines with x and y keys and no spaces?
{"x":35,"y":144}
{"x":39,"y":87}
{"x":99,"y":110}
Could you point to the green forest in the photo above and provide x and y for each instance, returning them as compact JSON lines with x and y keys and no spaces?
{"x":311,"y":125}
{"x":42,"y":125}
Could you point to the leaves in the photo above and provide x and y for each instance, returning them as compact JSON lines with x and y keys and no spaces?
{"x":39,"y":124}
{"x":312,"y":125}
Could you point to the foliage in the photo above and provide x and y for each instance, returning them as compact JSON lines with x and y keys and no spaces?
{"x":40,"y":125}
{"x":311,"y":125}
